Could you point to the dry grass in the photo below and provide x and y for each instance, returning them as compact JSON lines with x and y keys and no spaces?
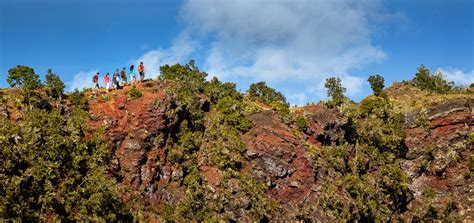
{"x":407,"y":98}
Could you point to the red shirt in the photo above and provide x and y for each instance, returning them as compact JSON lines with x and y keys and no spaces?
{"x":107,"y":79}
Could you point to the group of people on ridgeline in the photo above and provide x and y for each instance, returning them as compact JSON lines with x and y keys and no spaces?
{"x":119,"y":79}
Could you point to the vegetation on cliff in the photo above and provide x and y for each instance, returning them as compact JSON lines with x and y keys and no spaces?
{"x":56,"y":167}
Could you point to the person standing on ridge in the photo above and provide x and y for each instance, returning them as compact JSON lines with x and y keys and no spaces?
{"x":95,"y":80}
{"x":107,"y":81}
{"x":141,"y":71}
{"x":116,"y":80}
{"x":133,"y":76}
{"x":123,"y":74}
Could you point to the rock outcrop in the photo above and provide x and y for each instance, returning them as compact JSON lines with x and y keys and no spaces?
{"x":438,"y":158}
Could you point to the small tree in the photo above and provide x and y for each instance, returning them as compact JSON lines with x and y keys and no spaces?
{"x":377,"y":84}
{"x":54,"y":85}
{"x":431,"y":82}
{"x":335,"y":91}
{"x":24,"y":77}
{"x":422,"y":78}
{"x":265,"y":94}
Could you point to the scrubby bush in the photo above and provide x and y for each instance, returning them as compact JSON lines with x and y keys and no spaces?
{"x":230,"y":112}
{"x":377,"y":84}
{"x":50,"y":169}
{"x":431,"y":82}
{"x":261,"y":92}
{"x":54,"y":86}
{"x":379,"y":126}
{"x":188,"y":73}
{"x":25,"y":78}
{"x":335,"y":91}
{"x":301,"y":124}
{"x":76,"y":98}
{"x":217,"y":90}
{"x":134,"y":93}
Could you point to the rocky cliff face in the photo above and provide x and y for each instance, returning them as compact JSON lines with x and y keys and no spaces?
{"x":439,"y":159}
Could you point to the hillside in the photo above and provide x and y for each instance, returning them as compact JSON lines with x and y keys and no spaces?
{"x":185,"y":149}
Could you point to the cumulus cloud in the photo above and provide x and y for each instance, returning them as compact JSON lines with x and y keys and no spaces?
{"x":81,"y":80}
{"x":292,"y":45}
{"x":180,"y":51}
{"x":457,"y":76}
{"x":301,"y":41}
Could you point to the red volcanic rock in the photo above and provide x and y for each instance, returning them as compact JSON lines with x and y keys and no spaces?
{"x":439,"y":154}
{"x":279,"y":160}
{"x":277,"y":155}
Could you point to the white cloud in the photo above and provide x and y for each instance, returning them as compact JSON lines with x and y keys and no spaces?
{"x":301,"y":41}
{"x":180,"y":51}
{"x":81,"y":80}
{"x":457,"y":76}
{"x":292,"y":45}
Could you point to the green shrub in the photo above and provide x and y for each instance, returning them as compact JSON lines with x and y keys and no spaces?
{"x":105,"y":97}
{"x":54,"y":85}
{"x":217,"y":90}
{"x":377,"y":84}
{"x":261,"y":92}
{"x":134,"y":93}
{"x":250,"y":107}
{"x":335,"y":91}
{"x":301,"y":124}
{"x":431,"y":82}
{"x":283,"y":110}
{"x":188,"y":73}
{"x":230,"y":112}
{"x":52,"y":169}
{"x":76,"y":98}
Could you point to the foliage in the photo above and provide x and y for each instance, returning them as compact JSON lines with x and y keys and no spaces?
{"x":364,"y":181}
{"x":429,"y":192}
{"x":24,"y":77}
{"x":377,"y":84}
{"x":134,"y":93}
{"x":471,"y":137}
{"x":230,"y":113}
{"x":54,"y":85}
{"x":335,"y":91}
{"x":250,"y":106}
{"x":261,"y":92}
{"x":217,"y":90}
{"x":283,"y":110}
{"x":431,"y":82}
{"x":76,"y":98}
{"x":188,"y":73}
{"x":377,"y":125}
{"x":50,"y":169}
{"x":301,"y":124}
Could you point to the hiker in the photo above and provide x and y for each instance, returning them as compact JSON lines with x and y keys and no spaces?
{"x":95,"y":80}
{"x":107,"y":81}
{"x":123,"y":74}
{"x":133,"y":76}
{"x":116,"y":80}
{"x":141,"y":71}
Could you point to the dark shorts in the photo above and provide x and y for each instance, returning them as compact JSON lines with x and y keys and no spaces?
{"x":142,"y":75}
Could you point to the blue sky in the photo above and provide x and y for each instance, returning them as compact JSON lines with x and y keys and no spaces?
{"x":292,"y":45}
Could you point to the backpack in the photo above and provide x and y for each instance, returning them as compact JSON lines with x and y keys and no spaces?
{"x":95,"y":79}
